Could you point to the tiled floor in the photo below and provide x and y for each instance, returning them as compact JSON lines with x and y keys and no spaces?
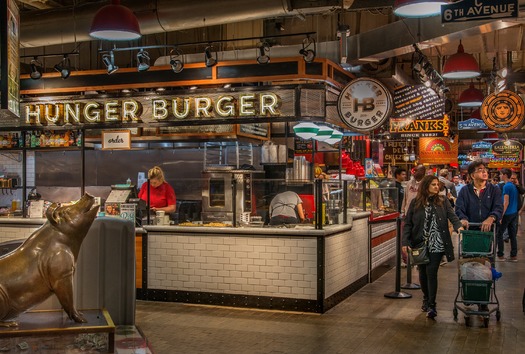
{"x":366,"y":322}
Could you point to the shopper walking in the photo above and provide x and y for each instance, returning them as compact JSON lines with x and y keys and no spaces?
{"x":479,"y":202}
{"x":427,"y":221}
{"x":509,"y":220}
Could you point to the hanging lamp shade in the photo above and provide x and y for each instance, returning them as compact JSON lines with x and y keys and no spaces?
{"x":306,"y":130}
{"x":461,"y":65}
{"x":336,"y":137}
{"x":418,"y":8}
{"x":323,"y":133}
{"x":490,"y":137}
{"x":115,"y":22}
{"x":471,"y":97}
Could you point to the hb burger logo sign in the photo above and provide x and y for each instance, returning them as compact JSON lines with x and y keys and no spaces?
{"x":503,"y":111}
{"x":364,"y":104}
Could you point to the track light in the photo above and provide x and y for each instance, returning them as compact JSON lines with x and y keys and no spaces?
{"x":36,"y":69}
{"x":142,"y":60}
{"x":263,"y":58}
{"x":64,"y":67}
{"x":209,"y":60}
{"x":109,"y":61}
{"x":308,"y":54}
{"x":176,"y":61}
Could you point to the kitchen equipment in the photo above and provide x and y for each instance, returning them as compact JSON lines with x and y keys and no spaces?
{"x":218,"y":191}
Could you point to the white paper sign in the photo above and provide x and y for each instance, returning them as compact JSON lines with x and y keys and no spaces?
{"x":36,"y":209}
{"x":116,"y":140}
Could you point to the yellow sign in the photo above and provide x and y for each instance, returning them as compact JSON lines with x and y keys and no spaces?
{"x":419,"y":127}
{"x":439,"y":151}
{"x":503,"y":111}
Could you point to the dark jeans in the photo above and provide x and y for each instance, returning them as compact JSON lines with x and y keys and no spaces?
{"x":282,"y":220}
{"x":428,"y":278}
{"x":509,"y":222}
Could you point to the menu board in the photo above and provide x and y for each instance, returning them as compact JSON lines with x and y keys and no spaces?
{"x":417,"y":102}
{"x":256,"y":130}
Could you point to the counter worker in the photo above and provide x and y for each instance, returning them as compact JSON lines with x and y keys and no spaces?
{"x":283,"y":209}
{"x":162,"y":195}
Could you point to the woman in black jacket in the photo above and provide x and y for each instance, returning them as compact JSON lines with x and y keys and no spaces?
{"x":427,"y":218}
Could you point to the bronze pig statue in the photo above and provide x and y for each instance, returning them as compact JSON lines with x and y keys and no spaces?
{"x":45,"y":263}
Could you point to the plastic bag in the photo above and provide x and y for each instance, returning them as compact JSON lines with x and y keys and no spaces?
{"x":475,"y":271}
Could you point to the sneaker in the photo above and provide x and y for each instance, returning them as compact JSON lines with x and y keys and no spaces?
{"x":502,"y":258}
{"x":512,"y":259}
{"x":432,"y":313}
{"x":403,"y":264}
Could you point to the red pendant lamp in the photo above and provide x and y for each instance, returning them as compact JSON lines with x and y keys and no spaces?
{"x":115,"y":22}
{"x":418,"y":8}
{"x":471,"y":97}
{"x":461,"y":65}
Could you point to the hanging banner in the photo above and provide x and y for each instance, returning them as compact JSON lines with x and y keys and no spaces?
{"x":364,"y":104}
{"x":438,"y":151}
{"x":470,"y":10}
{"x":503,"y":111}
{"x":419,"y":102}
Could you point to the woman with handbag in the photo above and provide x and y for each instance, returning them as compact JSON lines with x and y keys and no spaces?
{"x":426,"y":231}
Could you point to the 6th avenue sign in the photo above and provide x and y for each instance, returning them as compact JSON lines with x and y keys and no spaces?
{"x":470,"y":10}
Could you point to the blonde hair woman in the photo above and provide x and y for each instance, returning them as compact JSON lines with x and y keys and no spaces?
{"x":161,"y":194}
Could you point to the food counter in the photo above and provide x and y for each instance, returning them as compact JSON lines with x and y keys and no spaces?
{"x":288,"y":268}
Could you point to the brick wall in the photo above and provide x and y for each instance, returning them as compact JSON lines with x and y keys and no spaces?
{"x":346,"y":257}
{"x":252,"y":265}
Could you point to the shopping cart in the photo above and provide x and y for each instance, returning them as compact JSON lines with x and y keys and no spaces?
{"x":476,"y":297}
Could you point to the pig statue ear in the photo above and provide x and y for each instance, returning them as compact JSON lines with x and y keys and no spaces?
{"x":52,"y":214}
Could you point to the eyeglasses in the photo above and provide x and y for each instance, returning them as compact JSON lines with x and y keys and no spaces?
{"x":482,"y":170}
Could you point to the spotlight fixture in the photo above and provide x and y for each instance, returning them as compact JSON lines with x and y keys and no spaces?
{"x":176,"y":61}
{"x":308,"y":54}
{"x":263,"y":58}
{"x":418,"y":8}
{"x":115,"y":22}
{"x":64,"y":67}
{"x":109,"y":61}
{"x":142,"y":60}
{"x":461,"y":65}
{"x":209,"y":60}
{"x":36,"y":69}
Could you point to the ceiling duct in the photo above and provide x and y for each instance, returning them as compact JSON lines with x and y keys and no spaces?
{"x":397,"y":38}
{"x":157,"y":17}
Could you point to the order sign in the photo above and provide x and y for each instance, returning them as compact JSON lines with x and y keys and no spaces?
{"x":503,"y":111}
{"x":364,"y":104}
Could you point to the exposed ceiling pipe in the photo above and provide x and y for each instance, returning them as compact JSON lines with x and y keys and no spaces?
{"x":156,"y":17}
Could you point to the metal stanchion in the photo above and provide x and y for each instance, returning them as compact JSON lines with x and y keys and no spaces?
{"x":409,"y":284}
{"x":398,"y":294}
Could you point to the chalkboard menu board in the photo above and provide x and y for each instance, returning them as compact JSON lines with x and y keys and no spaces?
{"x":302,"y":146}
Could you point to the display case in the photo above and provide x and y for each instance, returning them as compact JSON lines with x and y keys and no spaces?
{"x":378,"y":195}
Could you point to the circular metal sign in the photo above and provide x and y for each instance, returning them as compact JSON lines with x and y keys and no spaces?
{"x":503,"y":111}
{"x":364,"y":104}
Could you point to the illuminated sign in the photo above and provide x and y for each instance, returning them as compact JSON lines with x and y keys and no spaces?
{"x":364,"y":104}
{"x":154,"y":109}
{"x":503,"y":111}
{"x":438,"y":151}
{"x":408,"y":128}
{"x":472,"y":124}
{"x":507,"y":148}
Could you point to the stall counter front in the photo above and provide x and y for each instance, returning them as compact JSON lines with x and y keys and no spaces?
{"x":297,"y":269}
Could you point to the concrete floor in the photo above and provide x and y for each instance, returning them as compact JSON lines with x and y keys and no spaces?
{"x":366,"y":322}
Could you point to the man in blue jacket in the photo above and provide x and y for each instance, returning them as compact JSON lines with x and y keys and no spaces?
{"x":479,"y":202}
{"x":509,"y":221}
